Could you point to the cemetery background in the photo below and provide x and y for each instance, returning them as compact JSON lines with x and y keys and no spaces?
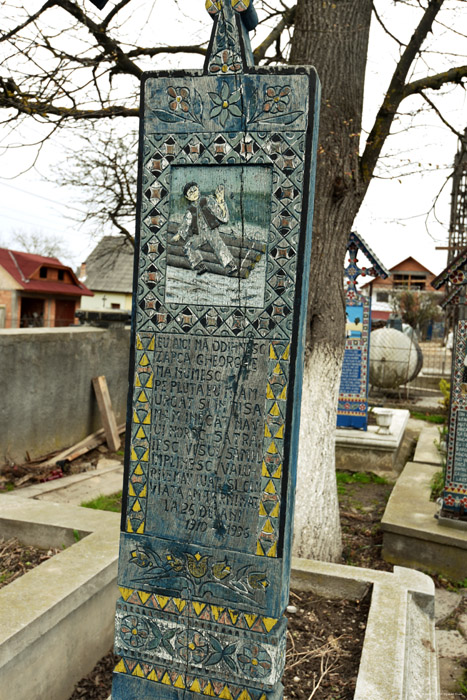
{"x":340,"y":197}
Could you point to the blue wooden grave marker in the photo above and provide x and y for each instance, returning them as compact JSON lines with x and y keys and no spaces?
{"x":454,"y":498}
{"x":352,"y":409}
{"x":221,"y":283}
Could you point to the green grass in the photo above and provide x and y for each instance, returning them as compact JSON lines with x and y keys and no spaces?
{"x":112,"y":503}
{"x":437,"y":485}
{"x":429,"y":417}
{"x":356,"y":478}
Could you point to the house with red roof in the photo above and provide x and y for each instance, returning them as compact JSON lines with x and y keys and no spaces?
{"x":37,"y":291}
{"x":409,"y":274}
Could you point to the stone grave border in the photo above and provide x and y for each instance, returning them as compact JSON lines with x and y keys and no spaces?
{"x":72,"y":597}
{"x":57,"y":620}
{"x":411,"y":533}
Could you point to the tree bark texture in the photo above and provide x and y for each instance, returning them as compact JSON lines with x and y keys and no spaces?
{"x":333,"y":36}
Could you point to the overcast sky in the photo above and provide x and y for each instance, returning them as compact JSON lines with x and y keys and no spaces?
{"x":393,"y":218}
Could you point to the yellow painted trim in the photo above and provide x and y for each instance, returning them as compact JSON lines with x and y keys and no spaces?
{"x":209,"y":690}
{"x":273,"y":551}
{"x":269,"y":622}
{"x":279,"y":434}
{"x":226,"y":694}
{"x":278,"y":473}
{"x":162,"y":600}
{"x":138,"y":672}
{"x":120,"y":667}
{"x":166,"y":679}
{"x":140,"y":530}
{"x":125,"y":592}
{"x":152,"y":344}
{"x":179,"y":603}
{"x":198,"y":607}
{"x":275,"y":511}
{"x":138,"y":470}
{"x":195,"y":686}
{"x":143,"y":596}
{"x":250,"y":619}
{"x":272,"y":353}
{"x":272,"y":449}
{"x":144,"y":361}
{"x":179,"y":683}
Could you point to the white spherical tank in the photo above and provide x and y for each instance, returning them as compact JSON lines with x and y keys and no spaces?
{"x":395,"y":358}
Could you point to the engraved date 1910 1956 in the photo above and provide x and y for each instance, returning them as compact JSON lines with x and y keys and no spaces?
{"x":193,"y":524}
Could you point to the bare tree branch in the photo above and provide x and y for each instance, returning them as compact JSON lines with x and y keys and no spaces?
{"x":287,"y":20}
{"x":395,"y":93}
{"x":435,"y":82}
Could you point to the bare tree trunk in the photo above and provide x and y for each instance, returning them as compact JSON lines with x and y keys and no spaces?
{"x":333,"y":36}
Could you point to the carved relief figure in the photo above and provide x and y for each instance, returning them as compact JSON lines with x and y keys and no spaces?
{"x":201,"y":224}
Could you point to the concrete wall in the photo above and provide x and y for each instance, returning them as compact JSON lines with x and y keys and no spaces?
{"x":47,"y":401}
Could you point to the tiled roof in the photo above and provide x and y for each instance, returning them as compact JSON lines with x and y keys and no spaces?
{"x":109,"y":268}
{"x":21,"y":266}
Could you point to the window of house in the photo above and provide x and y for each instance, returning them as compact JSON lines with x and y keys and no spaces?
{"x":409,"y":281}
{"x":382,"y":296}
{"x":61,"y":275}
{"x":43,"y":272}
{"x":115,"y":306}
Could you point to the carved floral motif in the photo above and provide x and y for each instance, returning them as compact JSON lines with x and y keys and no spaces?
{"x":255,"y":661}
{"x":225,"y":104}
{"x":199,"y":572}
{"x":225,"y":61}
{"x":274,"y":106}
{"x":182,"y":106}
{"x":194,"y":647}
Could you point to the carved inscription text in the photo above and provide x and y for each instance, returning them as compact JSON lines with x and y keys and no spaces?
{"x":206,"y":450}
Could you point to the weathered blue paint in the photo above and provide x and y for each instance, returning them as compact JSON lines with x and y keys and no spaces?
{"x":454,"y":499}
{"x":352,"y":410}
{"x":226,"y":185}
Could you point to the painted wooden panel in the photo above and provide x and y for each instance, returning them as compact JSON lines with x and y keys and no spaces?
{"x":352,"y":409}
{"x":455,"y":487}
{"x":221,"y":284}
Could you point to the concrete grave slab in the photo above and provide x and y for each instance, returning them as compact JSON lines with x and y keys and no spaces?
{"x":358,"y":450}
{"x":412,"y":535}
{"x":426,"y":451}
{"x":399,"y":659}
{"x":105,"y":480}
{"x":446,"y":602}
{"x":56,"y":621}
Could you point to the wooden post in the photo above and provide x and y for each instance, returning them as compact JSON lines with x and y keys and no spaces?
{"x":222,"y":257}
{"x":108,"y":417}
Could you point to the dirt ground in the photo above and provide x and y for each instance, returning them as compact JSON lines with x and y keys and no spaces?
{"x":325,"y":637}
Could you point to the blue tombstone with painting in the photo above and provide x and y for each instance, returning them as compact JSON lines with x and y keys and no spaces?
{"x":454,"y":499}
{"x":352,"y":410}
{"x":223,"y":246}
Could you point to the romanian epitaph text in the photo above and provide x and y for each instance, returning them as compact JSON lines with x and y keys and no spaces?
{"x":221,"y":279}
{"x":352,"y":410}
{"x":454,"y":500}
{"x":455,"y":487}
